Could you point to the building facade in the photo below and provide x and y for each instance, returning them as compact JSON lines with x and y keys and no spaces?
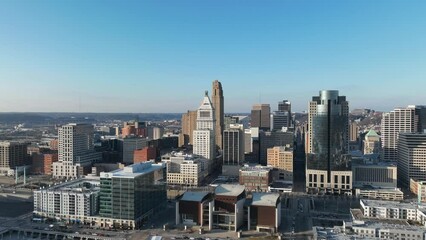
{"x":218,"y":106}
{"x":75,"y":151}
{"x":328,"y":162}
{"x":256,"y":178}
{"x":400,"y":120}
{"x":74,"y":201}
{"x":204,"y":136}
{"x":260,"y":116}
{"x":12,"y":155}
{"x":281,"y":158}
{"x":372,"y":143}
{"x":189,"y":124}
{"x":411,"y":157}
{"x":130,"y":195}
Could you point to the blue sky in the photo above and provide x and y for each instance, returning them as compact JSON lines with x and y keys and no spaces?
{"x":160,"y":56}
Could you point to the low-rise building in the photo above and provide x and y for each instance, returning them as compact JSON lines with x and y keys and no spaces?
{"x":263,"y":212}
{"x":228,"y":210}
{"x":391,"y":210}
{"x":183,"y":169}
{"x":256,"y":178}
{"x":281,"y":158}
{"x":418,"y":188}
{"x":195,"y":209}
{"x":393,"y":194}
{"x":383,"y":174}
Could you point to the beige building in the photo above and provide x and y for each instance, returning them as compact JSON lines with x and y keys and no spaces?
{"x":282,"y":159}
{"x":353,"y":132}
{"x":371,"y":142}
{"x":418,"y":188}
{"x":189,"y":124}
{"x":391,"y":194}
{"x":218,"y":105}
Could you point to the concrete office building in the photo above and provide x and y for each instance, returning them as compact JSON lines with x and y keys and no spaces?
{"x":272,"y":139}
{"x":281,"y":158}
{"x":233,"y":149}
{"x":256,"y":178}
{"x":327,"y":161}
{"x":372,"y":143}
{"x":411,"y":157}
{"x":400,"y":120}
{"x":76,"y":151}
{"x":204,"y":136}
{"x":130,"y":144}
{"x":189,"y":124}
{"x":12,"y":155}
{"x":130,"y":195}
{"x":72,"y":201}
{"x":280,"y":120}
{"x":381,"y":175}
{"x":218,"y":106}
{"x":260,"y":116}
{"x":186,"y":171}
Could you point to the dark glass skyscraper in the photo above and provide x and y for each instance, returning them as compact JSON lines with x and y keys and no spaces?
{"x":328,"y":142}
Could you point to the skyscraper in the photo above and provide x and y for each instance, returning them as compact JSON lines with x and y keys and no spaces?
{"x":233,"y":145}
{"x":400,"y":120}
{"x":218,"y":105}
{"x":328,"y":161}
{"x":411,"y":157}
{"x":76,"y":150}
{"x":189,"y":124}
{"x":260,"y":116}
{"x":204,"y":136}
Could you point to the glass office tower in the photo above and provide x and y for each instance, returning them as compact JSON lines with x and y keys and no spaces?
{"x":328,"y":141}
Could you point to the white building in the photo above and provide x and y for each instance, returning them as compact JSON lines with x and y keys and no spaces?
{"x":391,"y":210}
{"x":377,"y":230}
{"x":393,"y":194}
{"x":75,"y":150}
{"x":204,"y":135}
{"x":73,"y":201}
{"x":399,"y":120}
{"x":186,"y":170}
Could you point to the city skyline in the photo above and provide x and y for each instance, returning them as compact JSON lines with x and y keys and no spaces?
{"x":142,"y":56}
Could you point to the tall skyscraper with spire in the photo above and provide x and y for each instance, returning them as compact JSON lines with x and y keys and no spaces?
{"x":204,"y":135}
{"x":218,"y":105}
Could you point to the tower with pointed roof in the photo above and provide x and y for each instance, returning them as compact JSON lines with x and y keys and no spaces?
{"x":371,"y":142}
{"x":204,"y":135}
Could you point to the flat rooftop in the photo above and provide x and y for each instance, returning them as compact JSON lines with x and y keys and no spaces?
{"x":229,"y":190}
{"x":265,"y":199}
{"x":134,"y":170}
{"x":82,"y":185}
{"x":194,"y":196}
{"x":391,"y":204}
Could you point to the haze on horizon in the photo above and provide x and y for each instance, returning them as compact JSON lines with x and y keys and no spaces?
{"x":160,"y":56}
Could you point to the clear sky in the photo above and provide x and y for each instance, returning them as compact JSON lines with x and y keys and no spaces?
{"x":160,"y":56}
